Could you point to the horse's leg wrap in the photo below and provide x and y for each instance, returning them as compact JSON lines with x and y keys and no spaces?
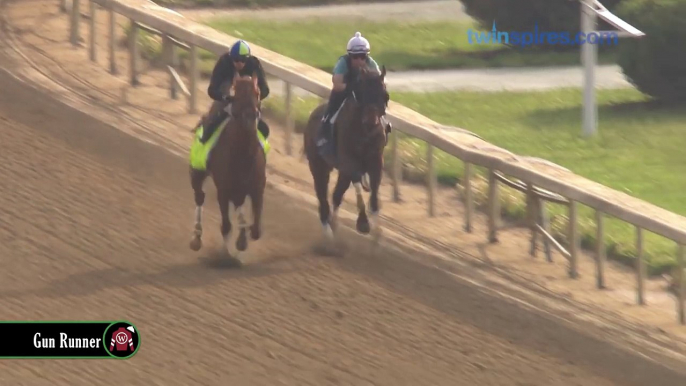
{"x":242,"y":223}
{"x":362,"y":220}
{"x":197,"y":179}
{"x":198,"y":221}
{"x":196,"y":240}
{"x":226,"y":226}
{"x":242,"y":240}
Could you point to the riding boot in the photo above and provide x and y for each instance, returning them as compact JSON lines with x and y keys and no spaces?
{"x":263,"y":128}
{"x":212,"y":123}
{"x":325,"y":133}
{"x":389,"y":128}
{"x":213,"y":118}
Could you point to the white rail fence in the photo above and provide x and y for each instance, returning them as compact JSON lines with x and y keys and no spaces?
{"x":541,"y":181}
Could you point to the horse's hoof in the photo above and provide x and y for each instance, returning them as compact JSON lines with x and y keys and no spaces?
{"x":363,"y":227}
{"x":255,"y":233}
{"x":196,"y":244}
{"x":242,"y":242}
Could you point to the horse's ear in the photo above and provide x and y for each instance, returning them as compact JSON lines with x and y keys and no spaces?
{"x":383,"y":72}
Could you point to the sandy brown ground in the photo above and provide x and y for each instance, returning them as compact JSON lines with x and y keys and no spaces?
{"x":95,"y":225}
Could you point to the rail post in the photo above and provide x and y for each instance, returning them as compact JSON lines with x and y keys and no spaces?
{"x":92,"y":49}
{"x":133,"y":53}
{"x":290,"y":117}
{"x":468,"y":197}
{"x":75,"y":22}
{"x":532,"y":216}
{"x":431,"y":180}
{"x":574,"y":243}
{"x":493,"y":207}
{"x":681,"y":263}
{"x":169,"y":53}
{"x":600,"y":249}
{"x":640,"y":268}
{"x":193,"y":99}
{"x":113,"y":41}
{"x":396,"y":166}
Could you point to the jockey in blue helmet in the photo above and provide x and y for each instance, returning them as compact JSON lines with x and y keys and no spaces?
{"x":237,"y":61}
{"x":343,"y":73}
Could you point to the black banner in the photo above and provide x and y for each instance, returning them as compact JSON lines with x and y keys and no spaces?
{"x":42,"y":339}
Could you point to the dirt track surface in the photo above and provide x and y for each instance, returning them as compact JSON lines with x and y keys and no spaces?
{"x":95,"y":226}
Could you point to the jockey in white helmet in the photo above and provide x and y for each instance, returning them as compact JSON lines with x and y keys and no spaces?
{"x":358,"y":56}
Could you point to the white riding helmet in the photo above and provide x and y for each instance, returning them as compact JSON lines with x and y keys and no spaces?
{"x":358,"y":45}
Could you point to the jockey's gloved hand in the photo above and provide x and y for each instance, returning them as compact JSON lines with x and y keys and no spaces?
{"x":227,"y":98}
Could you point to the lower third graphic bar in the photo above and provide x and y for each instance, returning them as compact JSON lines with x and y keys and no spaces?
{"x":69,"y":340}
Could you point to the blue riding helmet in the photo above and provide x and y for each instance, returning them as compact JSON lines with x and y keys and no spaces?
{"x":240,"y":50}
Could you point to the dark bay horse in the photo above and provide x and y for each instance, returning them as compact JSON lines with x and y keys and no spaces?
{"x":238,"y":168}
{"x":360,"y":137}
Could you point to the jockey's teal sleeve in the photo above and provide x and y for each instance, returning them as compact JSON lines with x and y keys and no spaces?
{"x":372,"y":65}
{"x":341,"y":68}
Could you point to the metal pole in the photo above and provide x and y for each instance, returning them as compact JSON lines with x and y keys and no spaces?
{"x":589,"y":59}
{"x":590,"y":11}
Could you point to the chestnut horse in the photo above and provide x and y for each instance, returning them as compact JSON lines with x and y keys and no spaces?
{"x":237,"y":166}
{"x":360,"y":137}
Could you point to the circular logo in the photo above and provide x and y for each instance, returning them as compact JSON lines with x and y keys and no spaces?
{"x":121,"y":340}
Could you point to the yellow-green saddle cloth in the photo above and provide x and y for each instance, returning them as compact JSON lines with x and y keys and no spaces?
{"x":200,"y":151}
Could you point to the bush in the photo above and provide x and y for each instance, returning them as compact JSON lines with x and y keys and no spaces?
{"x":523,"y":15}
{"x":655,"y":63}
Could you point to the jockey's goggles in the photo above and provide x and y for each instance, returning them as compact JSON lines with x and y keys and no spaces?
{"x":240,"y":59}
{"x":359,"y":56}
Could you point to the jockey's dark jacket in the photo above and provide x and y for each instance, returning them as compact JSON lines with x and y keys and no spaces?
{"x":224,"y":72}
